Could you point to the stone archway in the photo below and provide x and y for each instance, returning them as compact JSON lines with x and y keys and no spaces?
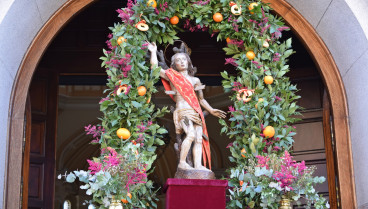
{"x":307,"y":34}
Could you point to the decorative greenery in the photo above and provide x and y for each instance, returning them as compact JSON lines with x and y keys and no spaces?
{"x":256,"y":51}
{"x":267,"y":178}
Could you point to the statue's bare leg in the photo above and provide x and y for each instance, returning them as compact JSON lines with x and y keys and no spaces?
{"x":197,"y":149}
{"x":186,"y":144}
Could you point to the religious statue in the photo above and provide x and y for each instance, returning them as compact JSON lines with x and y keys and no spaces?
{"x":186,"y":91}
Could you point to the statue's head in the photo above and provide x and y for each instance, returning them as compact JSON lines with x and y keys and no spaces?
{"x":181,"y":61}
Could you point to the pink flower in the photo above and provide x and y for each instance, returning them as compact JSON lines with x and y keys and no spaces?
{"x":240,"y":43}
{"x":113,"y":159}
{"x":276,"y":57}
{"x":164,"y":6}
{"x":262,"y":161}
{"x":139,"y":176}
{"x":94,"y":167}
{"x":257,"y":64}
{"x":127,"y":90}
{"x":156,"y":11}
{"x":95,"y":131}
{"x":126,"y":13}
{"x":236,"y":27}
{"x":230,"y":61}
{"x":231,"y":109}
{"x":229,"y":145}
{"x":103,"y":99}
{"x":278,"y":98}
{"x":202,"y":2}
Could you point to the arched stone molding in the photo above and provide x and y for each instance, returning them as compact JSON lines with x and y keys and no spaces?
{"x":23,"y":77}
{"x":336,"y":91}
{"x":28,"y":24}
{"x":344,"y":33}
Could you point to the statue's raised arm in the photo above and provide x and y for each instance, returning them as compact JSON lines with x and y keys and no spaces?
{"x":152,"y":47}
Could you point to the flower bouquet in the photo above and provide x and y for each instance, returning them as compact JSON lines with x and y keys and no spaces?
{"x":115,"y":176}
{"x":266,"y":180}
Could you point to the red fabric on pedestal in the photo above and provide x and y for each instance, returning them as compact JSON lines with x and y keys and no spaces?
{"x":195,"y":194}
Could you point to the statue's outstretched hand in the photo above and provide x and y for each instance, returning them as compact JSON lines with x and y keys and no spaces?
{"x":152,"y":47}
{"x":218,"y":113}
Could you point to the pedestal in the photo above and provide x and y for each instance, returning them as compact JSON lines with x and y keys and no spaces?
{"x":195,"y":194}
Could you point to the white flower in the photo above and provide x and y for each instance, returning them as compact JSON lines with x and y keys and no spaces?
{"x":287,"y":189}
{"x":327,"y":205}
{"x":59,"y":176}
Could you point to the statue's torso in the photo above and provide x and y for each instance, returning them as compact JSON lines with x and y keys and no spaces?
{"x":180,"y":101}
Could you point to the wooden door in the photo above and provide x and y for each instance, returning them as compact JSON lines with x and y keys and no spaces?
{"x":41,"y":151}
{"x":314,"y":141}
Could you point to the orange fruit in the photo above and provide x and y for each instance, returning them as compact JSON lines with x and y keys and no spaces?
{"x":269,"y":131}
{"x":259,"y":100}
{"x":251,"y":7}
{"x":243,"y":152}
{"x":142,"y":90}
{"x":123,"y":133}
{"x":152,"y":3}
{"x":228,"y":40}
{"x":241,"y":183}
{"x":174,"y":20}
{"x":148,"y":100}
{"x":268,"y":79}
{"x":217,"y":17}
{"x":250,"y":55}
{"x":121,"y":39}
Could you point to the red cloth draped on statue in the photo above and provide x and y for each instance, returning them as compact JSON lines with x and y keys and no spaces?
{"x":186,"y":89}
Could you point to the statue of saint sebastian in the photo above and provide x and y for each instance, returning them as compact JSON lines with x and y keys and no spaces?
{"x":182,"y":86}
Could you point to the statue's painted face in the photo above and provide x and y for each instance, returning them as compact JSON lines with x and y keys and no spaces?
{"x":181,"y":62}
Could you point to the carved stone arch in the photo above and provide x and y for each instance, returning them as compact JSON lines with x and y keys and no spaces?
{"x":336,"y":92}
{"x":302,"y":28}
